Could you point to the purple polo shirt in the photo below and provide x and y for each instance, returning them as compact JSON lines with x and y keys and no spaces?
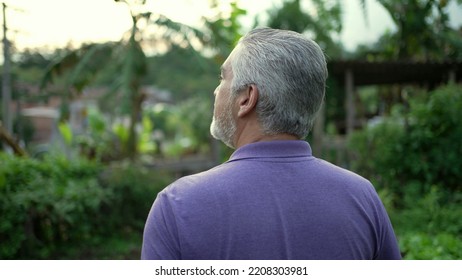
{"x":270,"y":200}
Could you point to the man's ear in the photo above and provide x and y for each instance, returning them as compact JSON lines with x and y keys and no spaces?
{"x":247,"y":100}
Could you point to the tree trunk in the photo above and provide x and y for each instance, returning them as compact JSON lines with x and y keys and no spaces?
{"x":7,"y":138}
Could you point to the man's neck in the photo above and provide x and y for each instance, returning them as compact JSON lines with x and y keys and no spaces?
{"x":249,"y":130}
{"x":261,"y":138}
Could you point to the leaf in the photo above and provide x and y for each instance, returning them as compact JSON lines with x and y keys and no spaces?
{"x":66,"y":132}
{"x":58,"y":67}
{"x":86,"y":69}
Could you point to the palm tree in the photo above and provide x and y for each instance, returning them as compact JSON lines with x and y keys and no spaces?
{"x":124,"y":61}
{"x":423,"y":30}
{"x":323,"y":23}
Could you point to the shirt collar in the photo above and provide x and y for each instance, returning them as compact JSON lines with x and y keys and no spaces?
{"x":273,"y":149}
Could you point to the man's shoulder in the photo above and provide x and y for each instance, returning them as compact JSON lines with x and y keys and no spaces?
{"x":343,"y":176}
{"x":198,"y":182}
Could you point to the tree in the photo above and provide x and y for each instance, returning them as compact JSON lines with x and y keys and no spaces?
{"x":223,"y":30}
{"x":124,"y":61}
{"x":323,"y":21}
{"x":423,"y":31}
{"x":197,"y":73}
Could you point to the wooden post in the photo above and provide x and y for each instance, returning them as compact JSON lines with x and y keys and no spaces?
{"x":452,"y":76}
{"x":349,"y":103}
{"x":6,"y":85}
{"x":318,"y":131}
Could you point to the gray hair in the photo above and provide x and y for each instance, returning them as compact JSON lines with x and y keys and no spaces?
{"x":290,"y":73}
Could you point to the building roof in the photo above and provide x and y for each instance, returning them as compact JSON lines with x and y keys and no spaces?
{"x":396,"y":72}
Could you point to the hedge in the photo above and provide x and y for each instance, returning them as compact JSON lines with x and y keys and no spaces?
{"x":51,"y":205}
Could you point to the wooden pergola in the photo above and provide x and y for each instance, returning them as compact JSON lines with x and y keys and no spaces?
{"x":354,"y":73}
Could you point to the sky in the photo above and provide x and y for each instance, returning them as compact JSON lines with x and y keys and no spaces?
{"x":57,"y":23}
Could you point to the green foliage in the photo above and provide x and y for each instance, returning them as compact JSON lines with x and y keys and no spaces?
{"x":416,"y":150}
{"x":126,"y":63}
{"x":66,"y":132}
{"x":324,"y":24}
{"x":53,"y":207}
{"x":376,"y":152}
{"x":182,"y":129}
{"x":43,"y":202}
{"x":423,"y":32}
{"x":434,"y":137}
{"x":164,"y":130}
{"x":430,"y":227}
{"x":100,"y":141}
{"x":413,"y":158}
{"x":431,"y":213}
{"x":135,"y":188}
{"x":419,"y":246}
{"x":198,"y":74}
{"x":76,"y":68}
{"x":224,"y":29}
{"x":194,"y":118}
{"x":32,"y":59}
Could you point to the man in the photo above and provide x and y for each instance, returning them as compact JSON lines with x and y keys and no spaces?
{"x":272,"y":199}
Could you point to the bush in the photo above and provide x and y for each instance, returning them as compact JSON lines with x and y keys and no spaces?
{"x":135,"y":188}
{"x":414,"y":151}
{"x":45,"y":204}
{"x":433,"y":142}
{"x":432,"y":214}
{"x":64,"y":209}
{"x":413,"y":158}
{"x":420,"y":246}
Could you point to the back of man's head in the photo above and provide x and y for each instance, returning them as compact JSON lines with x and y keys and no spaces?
{"x":290,"y":73}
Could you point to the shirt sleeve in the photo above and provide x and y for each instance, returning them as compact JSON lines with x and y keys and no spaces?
{"x":388,"y":244}
{"x":389,"y":249}
{"x":160,"y":238}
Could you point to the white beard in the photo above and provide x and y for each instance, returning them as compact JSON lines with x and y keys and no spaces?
{"x":223,"y":127}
